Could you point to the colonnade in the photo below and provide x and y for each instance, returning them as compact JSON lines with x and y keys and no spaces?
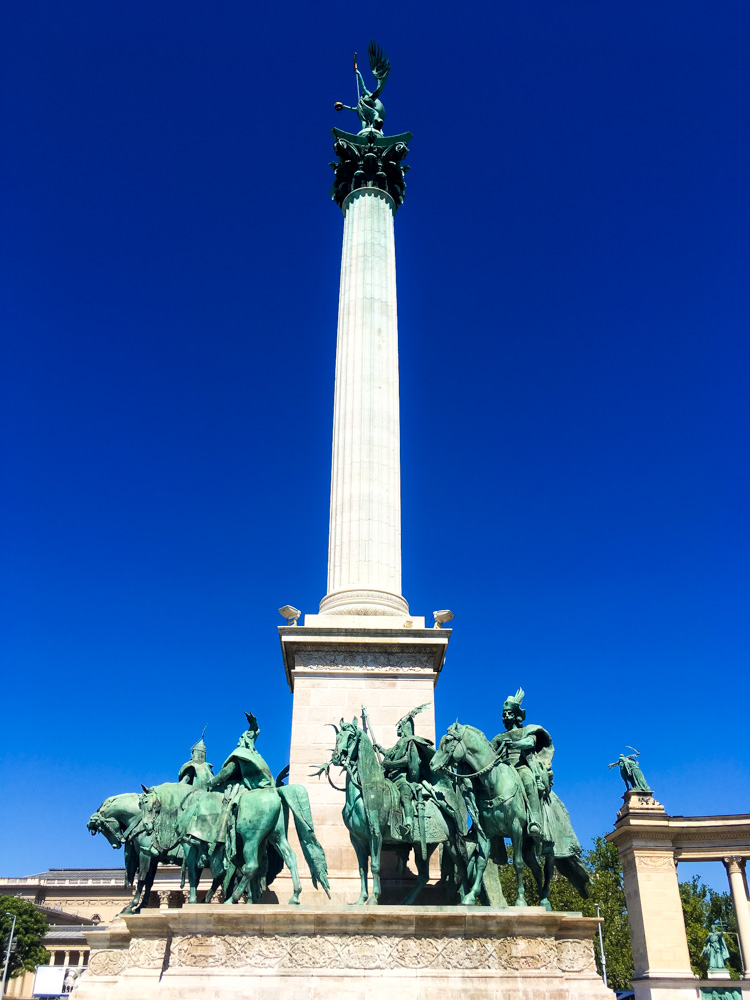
{"x":651,"y":845}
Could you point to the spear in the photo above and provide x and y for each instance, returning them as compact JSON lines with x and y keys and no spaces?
{"x":367,"y":726}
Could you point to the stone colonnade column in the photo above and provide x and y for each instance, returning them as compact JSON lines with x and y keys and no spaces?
{"x":737,"y":884}
{"x":364,"y":549}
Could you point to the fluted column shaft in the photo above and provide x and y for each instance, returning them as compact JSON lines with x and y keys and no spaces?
{"x":736,"y":870}
{"x":364,"y":547}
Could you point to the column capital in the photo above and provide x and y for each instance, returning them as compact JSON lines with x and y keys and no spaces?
{"x":735,"y":866}
{"x":369,"y":159}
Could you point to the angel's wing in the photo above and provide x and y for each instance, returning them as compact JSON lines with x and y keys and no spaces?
{"x":379,"y":65}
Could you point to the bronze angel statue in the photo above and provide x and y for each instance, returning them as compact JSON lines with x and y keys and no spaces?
{"x":370,"y":110}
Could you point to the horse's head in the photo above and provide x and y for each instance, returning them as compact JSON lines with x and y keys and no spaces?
{"x":347,"y":741}
{"x":452,"y":749}
{"x":150,"y":804}
{"x":108,"y":826}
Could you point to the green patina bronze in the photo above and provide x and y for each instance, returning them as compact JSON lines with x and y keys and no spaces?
{"x":507,"y":788}
{"x":196,"y":771}
{"x":369,"y":159}
{"x":233,"y":823}
{"x":397,"y":802}
{"x":716,"y":951}
{"x":631,"y":772}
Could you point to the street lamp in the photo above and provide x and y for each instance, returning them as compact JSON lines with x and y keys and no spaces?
{"x":601,"y":945}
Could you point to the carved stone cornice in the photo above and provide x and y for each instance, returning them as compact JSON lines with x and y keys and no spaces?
{"x":369,"y":160}
{"x":397,"y":651}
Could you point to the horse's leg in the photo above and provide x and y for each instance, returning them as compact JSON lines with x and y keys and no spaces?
{"x":362,"y":851}
{"x":481,"y":855}
{"x":146,"y":875}
{"x":216,"y":865}
{"x":532,"y":864}
{"x":423,"y":872}
{"x":278,"y":839}
{"x":252,"y":839}
{"x":516,"y":839}
{"x":191,"y":852}
{"x":376,"y":843}
{"x":549,"y":871}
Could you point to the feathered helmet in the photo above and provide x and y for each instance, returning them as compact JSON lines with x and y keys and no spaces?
{"x":513,"y":704}
{"x":200,"y":746}
{"x":408,"y":719}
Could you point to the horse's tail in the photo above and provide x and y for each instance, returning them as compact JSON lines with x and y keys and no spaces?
{"x":576,"y":873}
{"x":296,"y":798}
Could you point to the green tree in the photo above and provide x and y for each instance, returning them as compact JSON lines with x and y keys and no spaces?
{"x":31,"y":926}
{"x":702,"y":906}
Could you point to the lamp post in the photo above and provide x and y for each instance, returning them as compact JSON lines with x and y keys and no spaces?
{"x":7,"y":953}
{"x":601,"y":946}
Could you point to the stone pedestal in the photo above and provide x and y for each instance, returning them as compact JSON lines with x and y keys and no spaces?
{"x":333,"y":672}
{"x":657,"y":926}
{"x":344,"y":953}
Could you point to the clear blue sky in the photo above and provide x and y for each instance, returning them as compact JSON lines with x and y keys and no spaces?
{"x":573,"y":295}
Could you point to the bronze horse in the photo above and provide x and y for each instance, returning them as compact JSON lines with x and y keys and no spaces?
{"x":370,"y":804}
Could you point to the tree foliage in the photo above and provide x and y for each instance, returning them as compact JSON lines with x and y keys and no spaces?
{"x":31,"y":926}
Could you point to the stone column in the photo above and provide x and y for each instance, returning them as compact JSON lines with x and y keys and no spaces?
{"x":735,"y":870}
{"x":364,"y":547}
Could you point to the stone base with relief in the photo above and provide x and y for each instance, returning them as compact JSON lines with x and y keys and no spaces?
{"x":325,"y":953}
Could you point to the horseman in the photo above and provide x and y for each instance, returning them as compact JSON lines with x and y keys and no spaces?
{"x":196,"y":771}
{"x":529,"y":749}
{"x":242,"y":771}
{"x":407,"y":765}
{"x":244,"y":767}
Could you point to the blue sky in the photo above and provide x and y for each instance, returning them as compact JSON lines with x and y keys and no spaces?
{"x":573,"y":301}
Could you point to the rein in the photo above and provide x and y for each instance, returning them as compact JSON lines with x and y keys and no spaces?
{"x":474,"y":774}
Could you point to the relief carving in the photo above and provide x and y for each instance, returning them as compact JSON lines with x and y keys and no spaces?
{"x":375,"y":951}
{"x":533,"y":953}
{"x":654,"y":862}
{"x":369,"y":951}
{"x":107,"y":963}
{"x":147,"y":953}
{"x":575,"y":955}
{"x":367,"y":660}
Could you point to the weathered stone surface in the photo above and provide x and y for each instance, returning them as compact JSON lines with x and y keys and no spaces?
{"x":280,"y":952}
